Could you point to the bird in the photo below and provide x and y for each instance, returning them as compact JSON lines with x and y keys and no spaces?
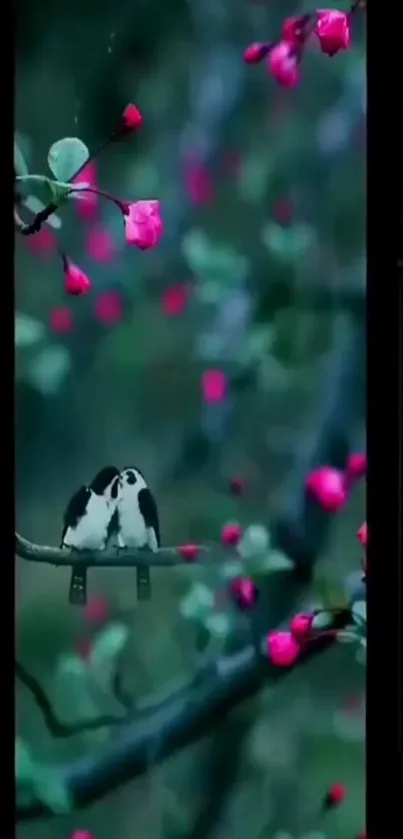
{"x":137,"y":521}
{"x":88,"y":524}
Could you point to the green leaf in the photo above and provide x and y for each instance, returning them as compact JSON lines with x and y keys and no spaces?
{"x":60,"y":191}
{"x":20,"y":164}
{"x":72,"y":693}
{"x":218,"y":625}
{"x":24,"y":764}
{"x":107,"y":647}
{"x":288,"y":244}
{"x":27,"y":330}
{"x":48,"y":370}
{"x":67,"y":157}
{"x":51,"y":789}
{"x":359,"y":613}
{"x":215,"y":265}
{"x":275,"y":561}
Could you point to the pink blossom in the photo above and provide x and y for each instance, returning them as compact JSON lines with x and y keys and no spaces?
{"x":328,"y":486}
{"x":231,"y":534}
{"x":174,"y":300}
{"x":282,"y":648}
{"x":61,"y":320}
{"x":101,"y":246}
{"x":356,"y":467}
{"x":143,"y":224}
{"x":87,"y":205}
{"x":333,"y":31}
{"x":363,"y":535}
{"x":108,"y":307}
{"x":132,"y":118}
{"x":189,"y":552}
{"x":300,"y":626}
{"x":214,"y":386}
{"x":199,"y":184}
{"x":283,"y":64}
{"x":76,"y":281}
{"x":81,"y":834}
{"x":97,"y":610}
{"x":245,"y":592}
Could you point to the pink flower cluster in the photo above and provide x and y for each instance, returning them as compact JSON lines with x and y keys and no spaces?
{"x":331,"y":27}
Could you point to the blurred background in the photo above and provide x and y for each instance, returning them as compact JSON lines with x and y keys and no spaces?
{"x":261,"y":276}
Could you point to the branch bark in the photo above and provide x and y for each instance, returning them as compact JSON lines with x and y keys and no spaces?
{"x":111,"y":558}
{"x":173,"y":723}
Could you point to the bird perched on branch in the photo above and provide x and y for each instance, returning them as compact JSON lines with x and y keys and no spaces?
{"x":137,"y":523}
{"x":89,"y":523}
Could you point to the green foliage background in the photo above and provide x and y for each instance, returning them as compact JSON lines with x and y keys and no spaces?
{"x":132,"y":393}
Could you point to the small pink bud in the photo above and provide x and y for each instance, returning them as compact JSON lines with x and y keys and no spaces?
{"x":282,"y":648}
{"x":363,"y":535}
{"x":245,"y":592}
{"x":335,"y":795}
{"x":108,"y":307}
{"x":175,"y":300}
{"x":255,"y":53}
{"x":328,"y":486}
{"x":199,"y":185}
{"x":237,"y":486}
{"x":101,"y":246}
{"x":294,"y":29}
{"x":132,"y":118}
{"x":333,"y":31}
{"x":231,"y":534}
{"x":81,"y":834}
{"x":87,"y":205}
{"x":189,"y":552}
{"x":283,"y":64}
{"x":300,"y":626}
{"x":61,"y":320}
{"x":214,"y":386}
{"x":97,"y":611}
{"x":356,"y":467}
{"x":43,"y":243}
{"x":143,"y":224}
{"x":75,"y":281}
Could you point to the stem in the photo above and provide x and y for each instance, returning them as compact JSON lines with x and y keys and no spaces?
{"x":43,"y":215}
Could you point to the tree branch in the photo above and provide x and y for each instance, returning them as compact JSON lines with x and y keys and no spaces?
{"x":111,"y":558}
{"x":173,"y":723}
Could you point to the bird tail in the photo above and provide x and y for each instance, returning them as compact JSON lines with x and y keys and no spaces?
{"x":78,"y":587}
{"x":143,"y":584}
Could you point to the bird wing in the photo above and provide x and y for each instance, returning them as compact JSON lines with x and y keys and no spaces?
{"x":148,"y":510}
{"x":75,"y":509}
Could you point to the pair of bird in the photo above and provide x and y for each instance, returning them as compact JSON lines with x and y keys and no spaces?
{"x":116,"y":504}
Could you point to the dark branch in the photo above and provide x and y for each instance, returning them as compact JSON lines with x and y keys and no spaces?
{"x":169,"y":726}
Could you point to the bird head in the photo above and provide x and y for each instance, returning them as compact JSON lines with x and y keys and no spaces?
{"x":106,"y":482}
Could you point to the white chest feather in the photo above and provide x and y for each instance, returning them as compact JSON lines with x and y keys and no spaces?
{"x":90,"y":533}
{"x":132,"y":529}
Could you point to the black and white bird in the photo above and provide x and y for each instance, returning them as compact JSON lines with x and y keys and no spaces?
{"x":137,"y":522}
{"x":89,"y":523}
